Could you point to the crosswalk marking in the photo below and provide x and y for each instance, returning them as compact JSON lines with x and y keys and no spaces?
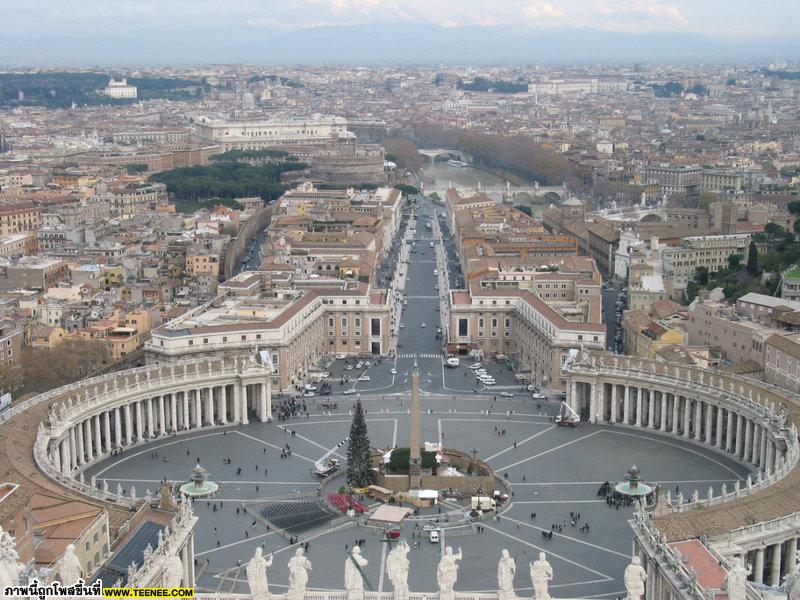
{"x":518,"y":388}
{"x":419,"y":356}
{"x":422,"y":297}
{"x":332,"y":379}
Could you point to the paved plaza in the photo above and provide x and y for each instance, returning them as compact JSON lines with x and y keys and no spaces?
{"x":553,"y":472}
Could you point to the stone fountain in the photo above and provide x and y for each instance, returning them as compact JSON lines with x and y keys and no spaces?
{"x":199,"y":486}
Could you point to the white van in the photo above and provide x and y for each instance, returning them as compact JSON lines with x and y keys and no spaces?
{"x":435,"y":272}
{"x":452,"y":362}
{"x":434,"y":537}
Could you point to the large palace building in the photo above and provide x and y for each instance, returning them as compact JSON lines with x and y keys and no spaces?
{"x":296,"y":325}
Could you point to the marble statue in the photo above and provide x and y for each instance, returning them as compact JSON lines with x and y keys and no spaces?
{"x":397,"y":566}
{"x":541,"y":576}
{"x":10,"y":568}
{"x":634,"y":577}
{"x":353,"y":579}
{"x":131,"y":576}
{"x":506,"y":569}
{"x":173,"y":571}
{"x":299,"y":566}
{"x":736,"y":579}
{"x":105,"y":487}
{"x":447,"y":573}
{"x":69,"y":567}
{"x":119,"y":490}
{"x":257,"y":575}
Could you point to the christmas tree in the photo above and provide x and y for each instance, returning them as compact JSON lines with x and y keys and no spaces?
{"x":359,"y":469}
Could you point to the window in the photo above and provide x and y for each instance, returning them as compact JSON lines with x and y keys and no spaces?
{"x":205,"y":340}
{"x":357,"y":322}
{"x":330,"y":322}
{"x":191,"y":342}
{"x":244,"y":338}
{"x":375,"y":326}
{"x":463,"y":327}
{"x":344,"y":321}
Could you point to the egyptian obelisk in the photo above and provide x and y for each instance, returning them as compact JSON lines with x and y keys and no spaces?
{"x":415,"y":461}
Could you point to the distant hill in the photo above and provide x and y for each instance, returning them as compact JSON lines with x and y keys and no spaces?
{"x":418,"y":43}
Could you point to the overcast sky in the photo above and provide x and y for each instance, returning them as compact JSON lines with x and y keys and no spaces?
{"x":728,"y":19}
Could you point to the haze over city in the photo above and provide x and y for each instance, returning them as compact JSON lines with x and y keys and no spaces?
{"x":366,"y":300}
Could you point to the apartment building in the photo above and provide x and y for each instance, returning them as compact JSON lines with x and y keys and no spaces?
{"x":518,"y":323}
{"x":739,"y":332}
{"x":646,"y":331}
{"x":709,"y":251}
{"x":782,"y":361}
{"x":682,"y":180}
{"x":297,"y":323}
{"x":257,"y":135}
{"x":19,"y":217}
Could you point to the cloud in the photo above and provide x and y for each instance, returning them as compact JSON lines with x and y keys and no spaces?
{"x":542,"y":10}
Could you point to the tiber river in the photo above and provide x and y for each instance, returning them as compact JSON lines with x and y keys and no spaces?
{"x":443,"y":174}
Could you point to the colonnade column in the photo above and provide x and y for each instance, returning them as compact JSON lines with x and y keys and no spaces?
{"x":210,"y":405}
{"x":676,"y":419}
{"x":775,"y":567}
{"x":162,"y":416}
{"x":739,"y":435}
{"x":73,"y":447}
{"x":638,"y":407}
{"x":709,"y":437}
{"x":66,"y":458}
{"x":98,"y":438}
{"x":748,"y":439}
{"x":173,"y":411}
{"x":613,"y":402}
{"x":117,"y":428}
{"x":79,"y":443}
{"x":128,"y":425}
{"x":720,"y":421}
{"x":223,"y":404}
{"x":150,"y":421}
{"x":687,"y":407}
{"x":758,"y":569}
{"x":243,"y":401}
{"x":651,"y":409}
{"x":664,"y":399}
{"x":198,"y":412}
{"x":139,"y":421}
{"x":729,"y":433}
{"x":593,"y":402}
{"x":698,"y":419}
{"x":264,"y":413}
{"x":107,"y":431}
{"x":185,"y":407}
{"x":626,"y":407}
{"x":791,"y":553}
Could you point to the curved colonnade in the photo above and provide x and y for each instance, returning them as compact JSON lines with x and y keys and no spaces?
{"x":746,"y":419}
{"x":121,"y":410}
{"x":81,"y":423}
{"x":753,"y":422}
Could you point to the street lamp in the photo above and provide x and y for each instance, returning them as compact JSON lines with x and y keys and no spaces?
{"x":474,"y":451}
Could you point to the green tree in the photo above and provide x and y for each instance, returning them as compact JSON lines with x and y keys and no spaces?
{"x":408,"y":190}
{"x":701,"y":275}
{"x":734,"y":261}
{"x":794,"y":207}
{"x":525,"y":209}
{"x":359,"y":468}
{"x":752,"y":258}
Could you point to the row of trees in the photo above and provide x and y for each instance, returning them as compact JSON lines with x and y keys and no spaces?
{"x":770,"y":253}
{"x":226,"y":180}
{"x":516,"y":154}
{"x":38,"y":371}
